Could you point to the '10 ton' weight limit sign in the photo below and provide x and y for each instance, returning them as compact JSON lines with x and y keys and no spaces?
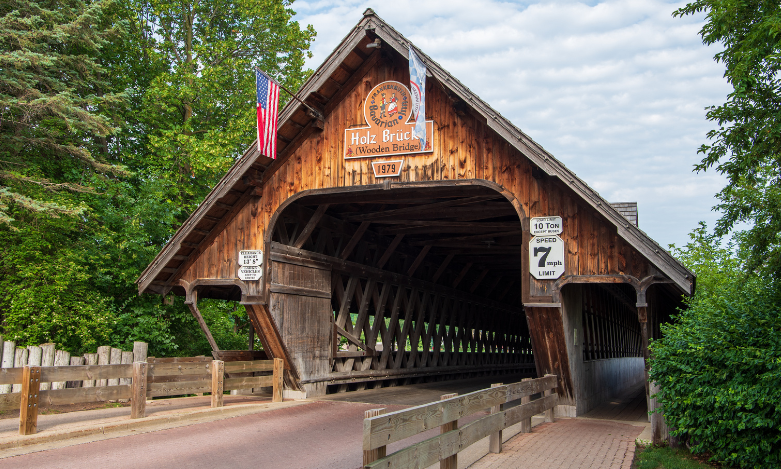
{"x":546,"y":249}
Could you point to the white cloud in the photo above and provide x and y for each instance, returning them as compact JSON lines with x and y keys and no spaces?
{"x":615,"y":90}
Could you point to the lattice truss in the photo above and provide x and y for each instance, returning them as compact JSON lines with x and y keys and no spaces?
{"x":610,"y":325}
{"x":379,"y":325}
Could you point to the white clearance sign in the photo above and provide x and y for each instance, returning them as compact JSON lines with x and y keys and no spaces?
{"x":251,"y":257}
{"x":546,"y":257}
{"x":250,"y":272}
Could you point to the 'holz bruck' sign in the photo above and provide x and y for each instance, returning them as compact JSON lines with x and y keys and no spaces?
{"x":388,"y":110}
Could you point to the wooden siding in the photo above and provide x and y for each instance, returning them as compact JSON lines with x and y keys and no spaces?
{"x":465,"y":148}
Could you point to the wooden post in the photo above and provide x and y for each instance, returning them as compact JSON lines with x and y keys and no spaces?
{"x":28,"y":407}
{"x":8,"y":362}
{"x":20,"y":361}
{"x":251,"y":338}
{"x":138,"y":391}
{"x":495,"y":439}
{"x":549,"y":414}
{"x":90,"y":359}
{"x":279,"y":372}
{"x":104,"y":357}
{"x":450,"y":462}
{"x":526,"y":425}
{"x":218,"y":375}
{"x":61,"y":358}
{"x":115,"y":358}
{"x":371,"y":455}
{"x":47,"y":350}
{"x":139,"y":351}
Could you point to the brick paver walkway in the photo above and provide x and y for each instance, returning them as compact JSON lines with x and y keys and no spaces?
{"x":567,"y":444}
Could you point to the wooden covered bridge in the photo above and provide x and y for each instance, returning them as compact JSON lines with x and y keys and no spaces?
{"x":385,"y":261}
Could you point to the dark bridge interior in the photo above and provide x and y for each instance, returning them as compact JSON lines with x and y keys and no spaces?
{"x":425,"y":283}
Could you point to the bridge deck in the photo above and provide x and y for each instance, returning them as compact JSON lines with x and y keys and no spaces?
{"x":629,"y":407}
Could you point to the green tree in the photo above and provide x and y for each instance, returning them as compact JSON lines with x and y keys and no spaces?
{"x":199,"y":108}
{"x":746,"y":145}
{"x":719,"y":364}
{"x":50,"y":101}
{"x":98,"y":170}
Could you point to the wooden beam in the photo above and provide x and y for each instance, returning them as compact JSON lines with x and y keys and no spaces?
{"x":419,"y":208}
{"x":348,"y":86}
{"x":310,"y":226}
{"x":478,"y":280}
{"x":354,"y":240}
{"x":442,"y":267}
{"x":499,"y":234}
{"x":389,"y":251}
{"x":462,"y":274}
{"x":194,"y":309}
{"x":418,"y":260}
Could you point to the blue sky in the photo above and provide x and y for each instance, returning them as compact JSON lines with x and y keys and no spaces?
{"x":615,"y":90}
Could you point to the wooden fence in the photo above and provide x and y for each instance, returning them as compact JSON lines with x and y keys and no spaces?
{"x":46,"y":355}
{"x":141,"y":380}
{"x":380,"y":429}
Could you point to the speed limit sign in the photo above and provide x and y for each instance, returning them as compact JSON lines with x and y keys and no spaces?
{"x":546,"y":257}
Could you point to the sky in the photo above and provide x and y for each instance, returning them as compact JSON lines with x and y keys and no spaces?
{"x":615,"y":90}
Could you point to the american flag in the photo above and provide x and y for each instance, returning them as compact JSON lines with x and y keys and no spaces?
{"x":268,"y":100}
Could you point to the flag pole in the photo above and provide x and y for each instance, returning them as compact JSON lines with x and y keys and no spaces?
{"x":315,"y":111}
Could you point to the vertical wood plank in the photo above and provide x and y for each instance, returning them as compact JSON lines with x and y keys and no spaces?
{"x":90,"y":359}
{"x":75,"y":361}
{"x":115,"y":358}
{"x":20,"y":361}
{"x":369,"y":456}
{"x":104,"y":358}
{"x":450,"y":462}
{"x":28,"y":407}
{"x":495,"y":439}
{"x":138,"y":391}
{"x":139,"y":351}
{"x":61,"y":358}
{"x":526,"y":425}
{"x":279,"y":372}
{"x":127,"y":359}
{"x":218,"y":375}
{"x":47,"y":359}
{"x":550,"y":413}
{"x":8,"y":362}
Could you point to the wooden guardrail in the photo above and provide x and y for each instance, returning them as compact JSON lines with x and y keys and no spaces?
{"x":380,"y":429}
{"x":147,"y":380}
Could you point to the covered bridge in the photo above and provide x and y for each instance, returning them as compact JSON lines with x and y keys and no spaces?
{"x":385,"y":261}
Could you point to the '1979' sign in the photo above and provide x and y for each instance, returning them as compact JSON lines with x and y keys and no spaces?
{"x":383,"y":169}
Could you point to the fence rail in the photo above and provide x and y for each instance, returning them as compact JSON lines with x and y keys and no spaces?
{"x":380,"y":429}
{"x":146,"y":380}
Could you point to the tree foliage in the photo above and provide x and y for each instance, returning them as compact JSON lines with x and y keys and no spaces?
{"x":746,"y":145}
{"x":719,"y":364}
{"x":116,"y":119}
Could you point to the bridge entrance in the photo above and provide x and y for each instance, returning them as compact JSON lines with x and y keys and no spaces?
{"x":402,"y":286}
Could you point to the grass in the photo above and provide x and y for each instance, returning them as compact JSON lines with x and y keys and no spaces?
{"x":662,"y":457}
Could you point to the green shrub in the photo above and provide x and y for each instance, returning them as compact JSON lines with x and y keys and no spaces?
{"x":719,"y":364}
